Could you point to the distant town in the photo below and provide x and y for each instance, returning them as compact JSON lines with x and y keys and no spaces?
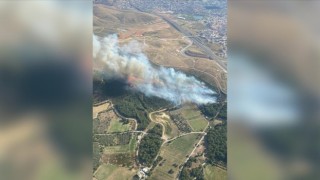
{"x":212,"y":14}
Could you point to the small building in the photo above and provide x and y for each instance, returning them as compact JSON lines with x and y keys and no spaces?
{"x":141,"y":174}
{"x":146,"y":170}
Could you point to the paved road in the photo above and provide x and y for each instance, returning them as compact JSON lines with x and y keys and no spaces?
{"x":182,"y":51}
{"x":197,"y":41}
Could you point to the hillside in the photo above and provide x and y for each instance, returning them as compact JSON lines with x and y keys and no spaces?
{"x":111,"y":19}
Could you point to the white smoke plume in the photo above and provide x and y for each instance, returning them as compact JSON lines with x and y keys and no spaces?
{"x":129,"y":63}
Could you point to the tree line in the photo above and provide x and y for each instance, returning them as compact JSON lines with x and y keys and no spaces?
{"x":150,"y":145}
{"x":215,"y":110}
{"x":216,"y":145}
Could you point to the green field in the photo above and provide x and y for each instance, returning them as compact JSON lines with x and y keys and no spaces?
{"x":198,"y":124}
{"x":174,"y":153}
{"x":123,"y":155}
{"x":113,"y":172}
{"x":194,"y":117}
{"x":117,"y":126}
{"x":133,"y":144}
{"x":214,"y":173}
{"x":171,"y":129}
{"x":127,"y":148}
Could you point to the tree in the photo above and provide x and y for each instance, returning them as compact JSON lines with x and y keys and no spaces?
{"x":223,"y":112}
{"x":210,"y":110}
{"x":157,"y":129}
{"x":216,"y":144}
{"x":150,"y":146}
{"x":197,"y":173}
{"x":213,"y":110}
{"x":188,"y":163}
{"x":185,"y":175}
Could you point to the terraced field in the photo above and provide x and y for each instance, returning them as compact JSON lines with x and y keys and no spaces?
{"x":174,"y":154}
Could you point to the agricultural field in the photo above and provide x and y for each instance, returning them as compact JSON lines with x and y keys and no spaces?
{"x":109,"y":171}
{"x":118,"y":125}
{"x":181,"y":123}
{"x":100,"y":127}
{"x":120,"y":159}
{"x":171,"y":130}
{"x":123,"y":155}
{"x":214,"y":173}
{"x":102,"y":122}
{"x":112,"y":139}
{"x":192,"y":115}
{"x":198,"y":125}
{"x":122,"y":148}
{"x":99,"y":108}
{"x":174,"y":154}
{"x":108,"y":122}
{"x":118,"y":154}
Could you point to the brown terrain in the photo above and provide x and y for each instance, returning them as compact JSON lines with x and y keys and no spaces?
{"x":163,"y":44}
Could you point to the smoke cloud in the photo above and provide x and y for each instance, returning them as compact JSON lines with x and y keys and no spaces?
{"x":129,"y":63}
